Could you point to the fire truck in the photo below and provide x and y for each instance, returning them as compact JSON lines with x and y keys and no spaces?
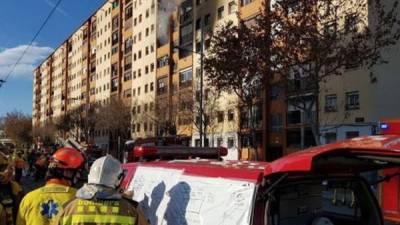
{"x":318,"y":186}
{"x":390,"y":190}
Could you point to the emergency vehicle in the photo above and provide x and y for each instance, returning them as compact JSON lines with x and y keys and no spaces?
{"x":390,"y":190}
{"x":322,"y":185}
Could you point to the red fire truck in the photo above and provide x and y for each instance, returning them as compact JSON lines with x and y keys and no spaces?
{"x":319,"y":186}
{"x":390,"y":190}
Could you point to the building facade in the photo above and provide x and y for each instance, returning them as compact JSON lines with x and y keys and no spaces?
{"x":148,"y":54}
{"x":145,"y":53}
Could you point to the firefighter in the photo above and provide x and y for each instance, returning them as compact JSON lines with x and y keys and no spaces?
{"x":41,"y":206}
{"x":99,"y":201}
{"x":10,"y":192}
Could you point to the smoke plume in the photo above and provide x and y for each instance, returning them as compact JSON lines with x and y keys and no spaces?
{"x":165,"y":10}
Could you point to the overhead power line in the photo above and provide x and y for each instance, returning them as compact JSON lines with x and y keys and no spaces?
{"x":3,"y":81}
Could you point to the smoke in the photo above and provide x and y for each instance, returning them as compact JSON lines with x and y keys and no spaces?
{"x":165,"y":10}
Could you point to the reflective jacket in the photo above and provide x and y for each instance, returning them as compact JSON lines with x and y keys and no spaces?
{"x":101,"y":212}
{"x":41,"y":206}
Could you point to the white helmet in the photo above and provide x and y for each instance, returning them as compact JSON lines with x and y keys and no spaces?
{"x":106,"y":171}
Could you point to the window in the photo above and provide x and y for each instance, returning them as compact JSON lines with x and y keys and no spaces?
{"x":330,"y":137}
{"x":115,"y":4}
{"x":114,"y":85}
{"x":331,"y":103}
{"x":151,"y":86}
{"x":352,"y":100}
{"x":128,"y":62}
{"x":276,"y":123}
{"x":185,"y":78}
{"x":220,"y":12}
{"x":128,"y":13}
{"x":128,"y":93}
{"x":207,"y":20}
{"x":231,"y":143}
{"x":352,"y":134}
{"x":350,"y":23}
{"x":198,"y":24}
{"x":162,"y":85}
{"x":128,"y":76}
{"x":231,"y":115}
{"x":114,"y":70}
{"x":115,"y":22}
{"x":115,"y":38}
{"x":163,"y":61}
{"x":128,"y":45}
{"x":146,"y":88}
{"x":330,"y":30}
{"x":245,"y":2}
{"x":220,"y":117}
{"x":220,"y":142}
{"x":138,"y":127}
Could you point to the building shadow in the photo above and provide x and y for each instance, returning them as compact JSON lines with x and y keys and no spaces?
{"x":175,"y":213}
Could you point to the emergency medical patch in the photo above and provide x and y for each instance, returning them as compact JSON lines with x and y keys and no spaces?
{"x":49,"y":209}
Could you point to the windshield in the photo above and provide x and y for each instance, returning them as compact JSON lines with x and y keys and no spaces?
{"x":323,"y":202}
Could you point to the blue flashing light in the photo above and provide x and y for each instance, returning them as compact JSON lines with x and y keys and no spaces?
{"x":384,"y":126}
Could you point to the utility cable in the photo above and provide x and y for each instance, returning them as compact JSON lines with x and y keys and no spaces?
{"x":3,"y":81}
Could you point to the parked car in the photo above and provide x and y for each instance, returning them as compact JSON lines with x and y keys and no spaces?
{"x":321,"y":185}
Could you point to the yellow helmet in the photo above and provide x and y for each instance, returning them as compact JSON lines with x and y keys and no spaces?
{"x":6,"y":168}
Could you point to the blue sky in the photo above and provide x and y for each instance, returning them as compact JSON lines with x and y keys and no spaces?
{"x":19,"y":21}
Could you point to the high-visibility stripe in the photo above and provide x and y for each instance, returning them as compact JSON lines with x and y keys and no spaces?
{"x":115,"y":210}
{"x":80,"y":209}
{"x":92,"y":208}
{"x":104,"y":219}
{"x":103,"y":209}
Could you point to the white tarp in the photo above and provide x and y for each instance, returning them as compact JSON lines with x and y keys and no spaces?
{"x":170,"y":198}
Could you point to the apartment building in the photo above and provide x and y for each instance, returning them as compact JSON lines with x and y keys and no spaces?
{"x":353,"y":105}
{"x":147,"y":53}
{"x":133,"y":50}
{"x":144,"y":68}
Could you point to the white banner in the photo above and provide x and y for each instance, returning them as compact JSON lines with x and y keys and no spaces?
{"x":170,"y":198}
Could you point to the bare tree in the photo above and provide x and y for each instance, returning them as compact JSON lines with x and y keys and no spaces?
{"x":115,"y":118}
{"x":45,"y":133}
{"x":18,"y":127}
{"x":301,"y":44}
{"x":314,"y":40}
{"x":234,"y":63}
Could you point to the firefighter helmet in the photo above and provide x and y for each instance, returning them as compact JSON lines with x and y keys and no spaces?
{"x":67,"y":158}
{"x":106,"y":171}
{"x":66,"y":163}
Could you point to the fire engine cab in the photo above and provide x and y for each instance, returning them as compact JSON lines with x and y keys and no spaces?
{"x":319,"y":186}
{"x":390,"y":189}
